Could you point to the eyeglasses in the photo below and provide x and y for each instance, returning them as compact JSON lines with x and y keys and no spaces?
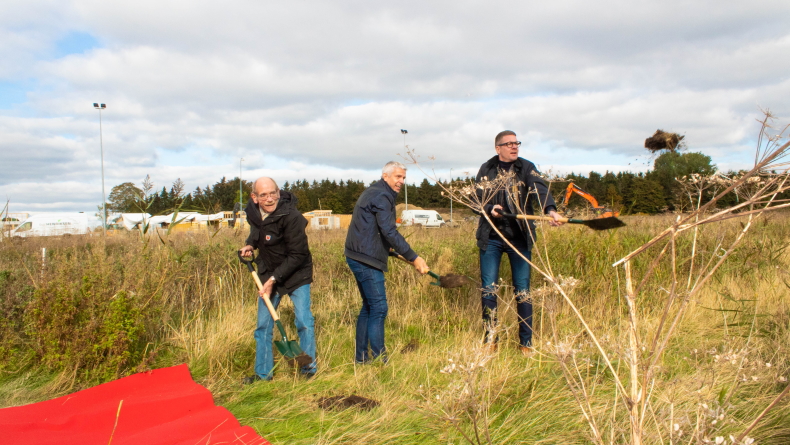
{"x":509,"y":144}
{"x":270,"y":195}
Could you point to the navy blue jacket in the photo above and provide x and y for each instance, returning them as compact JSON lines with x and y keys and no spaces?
{"x":282,"y":246}
{"x":531,"y":191}
{"x":372,"y":231}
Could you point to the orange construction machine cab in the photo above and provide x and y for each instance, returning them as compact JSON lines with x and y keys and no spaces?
{"x":600,"y":211}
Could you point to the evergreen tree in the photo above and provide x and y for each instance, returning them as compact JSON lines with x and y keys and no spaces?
{"x":646,"y":197}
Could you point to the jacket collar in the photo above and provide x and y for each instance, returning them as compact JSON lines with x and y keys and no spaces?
{"x":383,"y":184}
{"x":494,"y":163}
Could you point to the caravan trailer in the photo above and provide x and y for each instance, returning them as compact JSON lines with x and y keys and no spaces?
{"x":53,"y":225}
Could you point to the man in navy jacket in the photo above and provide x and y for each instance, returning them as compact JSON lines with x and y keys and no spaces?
{"x":371,"y":236}
{"x":527,"y":191}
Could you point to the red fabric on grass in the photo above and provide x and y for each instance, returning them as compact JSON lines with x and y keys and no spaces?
{"x":163,"y":406}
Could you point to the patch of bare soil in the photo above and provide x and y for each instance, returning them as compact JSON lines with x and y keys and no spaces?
{"x":343,"y":402}
{"x":299,"y":361}
{"x":411,"y":346}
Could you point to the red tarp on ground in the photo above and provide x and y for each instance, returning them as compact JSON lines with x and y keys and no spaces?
{"x":163,"y":406}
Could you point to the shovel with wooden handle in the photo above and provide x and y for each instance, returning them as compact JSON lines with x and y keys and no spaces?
{"x":595,"y":224}
{"x":288,"y":348}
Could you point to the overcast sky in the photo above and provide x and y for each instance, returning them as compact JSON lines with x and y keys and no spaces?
{"x":307,"y":89}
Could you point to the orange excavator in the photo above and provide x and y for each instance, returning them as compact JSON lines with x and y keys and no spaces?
{"x":600,"y":211}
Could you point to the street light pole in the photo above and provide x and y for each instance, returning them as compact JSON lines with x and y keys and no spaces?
{"x":240,"y":192}
{"x":405,"y":184}
{"x":451,"y":196}
{"x":241,"y":196}
{"x":101,"y":107}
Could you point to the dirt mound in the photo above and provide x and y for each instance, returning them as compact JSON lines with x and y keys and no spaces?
{"x":343,"y":402}
{"x":451,"y":281}
{"x":402,"y":206}
{"x":300,"y":360}
{"x":411,"y":346}
{"x":662,"y":140}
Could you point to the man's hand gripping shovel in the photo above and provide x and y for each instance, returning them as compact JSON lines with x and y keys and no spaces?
{"x":288,"y":348}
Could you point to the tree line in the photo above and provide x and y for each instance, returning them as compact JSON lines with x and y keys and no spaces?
{"x":652,"y":192}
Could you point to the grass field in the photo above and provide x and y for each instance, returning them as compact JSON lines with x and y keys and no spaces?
{"x":96,"y":310}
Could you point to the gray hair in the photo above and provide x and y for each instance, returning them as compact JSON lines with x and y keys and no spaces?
{"x":392,"y":165}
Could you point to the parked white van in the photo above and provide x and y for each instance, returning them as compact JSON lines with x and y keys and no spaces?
{"x":54,"y":224}
{"x":425,"y":218}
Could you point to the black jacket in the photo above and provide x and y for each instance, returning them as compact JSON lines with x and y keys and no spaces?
{"x":528,"y":183}
{"x":372,"y":231}
{"x":282,"y":244}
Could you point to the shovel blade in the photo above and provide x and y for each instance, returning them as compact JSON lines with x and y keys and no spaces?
{"x":288,"y":348}
{"x":604,"y":223}
{"x":293,"y":353}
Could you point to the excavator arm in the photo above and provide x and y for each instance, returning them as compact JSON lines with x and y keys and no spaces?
{"x":601,"y":211}
{"x":573,"y":188}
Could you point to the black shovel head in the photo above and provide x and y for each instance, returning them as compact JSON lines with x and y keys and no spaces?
{"x":604,"y":223}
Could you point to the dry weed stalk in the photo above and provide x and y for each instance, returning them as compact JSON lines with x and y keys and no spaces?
{"x":758,"y":191}
{"x":467,"y":397}
{"x":566,"y":352}
{"x":476,"y":195}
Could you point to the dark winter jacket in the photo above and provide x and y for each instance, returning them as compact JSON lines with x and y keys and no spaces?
{"x":529,"y":182}
{"x":282,"y":244}
{"x":372,"y":231}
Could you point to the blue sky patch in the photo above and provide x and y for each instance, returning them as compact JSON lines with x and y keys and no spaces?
{"x":13,"y":93}
{"x":75,"y":42}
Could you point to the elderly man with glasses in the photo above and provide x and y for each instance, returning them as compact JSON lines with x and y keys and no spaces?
{"x":285,"y":267}
{"x":527,"y":190}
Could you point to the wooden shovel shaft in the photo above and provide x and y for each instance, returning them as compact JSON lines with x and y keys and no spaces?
{"x":265,"y":297}
{"x":536,"y":217}
{"x":287,"y":349}
{"x":610,"y":222}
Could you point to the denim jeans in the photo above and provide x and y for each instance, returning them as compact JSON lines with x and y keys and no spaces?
{"x":305,"y":326}
{"x":370,"y":323}
{"x":490,"y":260}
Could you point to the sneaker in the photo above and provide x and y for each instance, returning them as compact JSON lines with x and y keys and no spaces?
{"x":526,"y":351}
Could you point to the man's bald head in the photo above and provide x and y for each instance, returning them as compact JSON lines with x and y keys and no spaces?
{"x":265,"y":194}
{"x":264,"y":182}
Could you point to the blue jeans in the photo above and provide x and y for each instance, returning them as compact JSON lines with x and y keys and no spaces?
{"x":490,"y":260}
{"x":370,"y":323}
{"x":305,"y":326}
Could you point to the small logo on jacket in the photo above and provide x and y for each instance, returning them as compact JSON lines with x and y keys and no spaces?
{"x":268,"y":237}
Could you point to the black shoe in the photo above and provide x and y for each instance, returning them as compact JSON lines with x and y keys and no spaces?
{"x":252,"y":379}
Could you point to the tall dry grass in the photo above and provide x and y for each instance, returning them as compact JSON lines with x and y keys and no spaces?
{"x":195,"y":304}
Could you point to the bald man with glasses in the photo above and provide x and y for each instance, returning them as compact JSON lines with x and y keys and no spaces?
{"x":285,"y":267}
{"x":531,"y":192}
